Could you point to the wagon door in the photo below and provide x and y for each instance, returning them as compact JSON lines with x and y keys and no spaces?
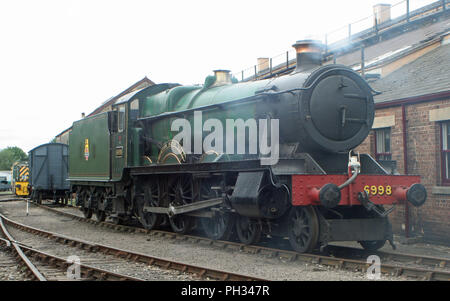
{"x":119,"y":143}
{"x":65,"y":167}
{"x":40,"y":169}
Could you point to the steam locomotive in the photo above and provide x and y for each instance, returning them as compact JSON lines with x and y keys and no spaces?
{"x":309,"y":185}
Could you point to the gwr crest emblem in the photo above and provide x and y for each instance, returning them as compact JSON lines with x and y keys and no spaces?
{"x":86,"y":149}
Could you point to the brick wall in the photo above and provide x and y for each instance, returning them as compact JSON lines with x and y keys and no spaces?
{"x":432,"y":220}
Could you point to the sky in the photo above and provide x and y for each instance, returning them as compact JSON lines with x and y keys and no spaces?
{"x":64,"y":57}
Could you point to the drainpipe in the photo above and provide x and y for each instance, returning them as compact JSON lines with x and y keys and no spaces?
{"x":405,"y":164}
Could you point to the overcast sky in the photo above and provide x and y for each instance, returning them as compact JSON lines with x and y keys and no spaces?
{"x":60,"y":58}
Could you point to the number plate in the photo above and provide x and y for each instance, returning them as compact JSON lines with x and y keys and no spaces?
{"x":378,"y":190}
{"x":119,"y":152}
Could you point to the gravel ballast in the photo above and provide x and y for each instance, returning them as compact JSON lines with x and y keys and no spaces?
{"x":196,"y":254}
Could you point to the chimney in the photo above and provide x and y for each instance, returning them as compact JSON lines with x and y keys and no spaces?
{"x":262,"y":64}
{"x":309,"y":54}
{"x":223,"y":77}
{"x":382,"y":13}
{"x":82,"y":115}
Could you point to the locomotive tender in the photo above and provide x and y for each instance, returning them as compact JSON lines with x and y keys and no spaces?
{"x":126,"y":162}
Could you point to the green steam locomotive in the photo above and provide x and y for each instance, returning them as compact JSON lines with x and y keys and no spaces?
{"x":267,"y":157}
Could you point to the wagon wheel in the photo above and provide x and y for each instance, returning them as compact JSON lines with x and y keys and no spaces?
{"x":79,"y":199}
{"x":87,"y":212}
{"x":180,"y":193}
{"x":34,"y":197}
{"x":151,"y":198}
{"x":220,"y":226}
{"x":303,"y":227}
{"x":100,"y":214}
{"x":248,"y":231}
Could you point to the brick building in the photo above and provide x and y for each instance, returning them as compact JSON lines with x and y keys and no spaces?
{"x":412,"y":127}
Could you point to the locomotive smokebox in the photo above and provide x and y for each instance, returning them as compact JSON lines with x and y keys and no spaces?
{"x":333,"y":110}
{"x":309,"y":54}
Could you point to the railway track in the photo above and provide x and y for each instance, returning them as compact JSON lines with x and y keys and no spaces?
{"x":9,"y":270}
{"x":118,"y":257}
{"x":406,"y":265}
{"x":42,"y":266}
{"x":24,"y":261}
{"x":9,"y":198}
{"x":401,"y":258}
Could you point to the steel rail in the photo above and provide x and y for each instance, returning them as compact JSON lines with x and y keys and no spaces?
{"x":10,"y":197}
{"x":89,"y":272}
{"x":202,"y":272}
{"x":29,"y":265}
{"x":24,"y":251}
{"x":338,"y":262}
{"x":431,"y":261}
{"x":10,"y":200}
{"x":6,"y":194}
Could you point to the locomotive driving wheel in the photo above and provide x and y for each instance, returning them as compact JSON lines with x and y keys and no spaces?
{"x":303,"y":228}
{"x":248,"y":231}
{"x":181,"y":193}
{"x":220,"y":225}
{"x":151,"y":198}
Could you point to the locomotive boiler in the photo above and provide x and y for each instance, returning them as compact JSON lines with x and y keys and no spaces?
{"x":198,"y":156}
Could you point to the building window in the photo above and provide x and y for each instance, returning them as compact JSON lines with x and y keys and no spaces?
{"x":383,"y":144}
{"x":445,"y":152}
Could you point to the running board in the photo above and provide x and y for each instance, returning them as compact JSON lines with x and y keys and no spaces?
{"x":171,"y":210}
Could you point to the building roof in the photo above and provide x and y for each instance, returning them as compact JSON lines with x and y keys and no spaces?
{"x":426,"y":75}
{"x":143,"y":83}
{"x":382,"y":43}
{"x":411,"y":36}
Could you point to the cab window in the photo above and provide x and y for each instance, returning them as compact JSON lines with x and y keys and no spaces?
{"x":121,"y":117}
{"x":134,"y":109}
